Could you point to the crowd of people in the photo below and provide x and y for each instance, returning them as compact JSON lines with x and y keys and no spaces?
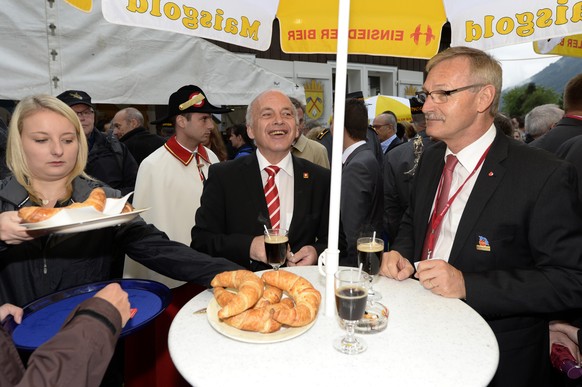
{"x":484,"y":205}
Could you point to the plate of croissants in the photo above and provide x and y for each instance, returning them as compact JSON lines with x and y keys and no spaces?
{"x":277,"y":306}
{"x":96,"y":212}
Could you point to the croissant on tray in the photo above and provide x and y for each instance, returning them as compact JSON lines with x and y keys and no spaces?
{"x":35,"y":214}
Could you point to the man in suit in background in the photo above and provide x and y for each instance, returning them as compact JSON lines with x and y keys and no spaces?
{"x":304,"y":147}
{"x":385,"y":125}
{"x":361,"y":194}
{"x":109,"y":160}
{"x":569,"y":126}
{"x":128,"y":127}
{"x":514,"y":261}
{"x":233,"y":210}
{"x":399,"y":168}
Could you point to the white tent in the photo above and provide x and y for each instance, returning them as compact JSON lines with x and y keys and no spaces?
{"x":47,"y":46}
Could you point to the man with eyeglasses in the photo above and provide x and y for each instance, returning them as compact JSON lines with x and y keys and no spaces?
{"x":491,"y":221}
{"x":385,"y":126}
{"x":108,"y":159}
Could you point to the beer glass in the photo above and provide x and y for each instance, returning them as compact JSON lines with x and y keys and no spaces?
{"x":276,"y":246}
{"x":370,"y":252}
{"x":351,"y":293}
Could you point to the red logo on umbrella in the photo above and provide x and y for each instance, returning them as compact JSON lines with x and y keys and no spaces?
{"x":429,"y":36}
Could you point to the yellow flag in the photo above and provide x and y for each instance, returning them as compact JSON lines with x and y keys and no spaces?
{"x":83,"y":5}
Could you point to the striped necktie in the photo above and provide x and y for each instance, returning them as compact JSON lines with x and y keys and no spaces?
{"x":272,"y":196}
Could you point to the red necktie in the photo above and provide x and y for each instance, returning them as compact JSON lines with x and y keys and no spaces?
{"x":432,"y":233}
{"x":272,"y":196}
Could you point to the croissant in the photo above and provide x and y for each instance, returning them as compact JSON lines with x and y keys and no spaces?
{"x":249,"y":286}
{"x":305,"y":296}
{"x":36,"y":214}
{"x":257,"y":319}
{"x":127,"y":208}
{"x":96,"y":199}
{"x":271,"y":295}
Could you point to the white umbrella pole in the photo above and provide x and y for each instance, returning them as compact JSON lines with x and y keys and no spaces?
{"x":332,"y":252}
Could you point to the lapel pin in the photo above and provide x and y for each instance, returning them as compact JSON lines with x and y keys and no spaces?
{"x":483,"y":244}
{"x":305,"y":175}
{"x":490,"y":173}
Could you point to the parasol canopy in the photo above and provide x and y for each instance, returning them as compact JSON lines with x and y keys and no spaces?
{"x":381,"y":103}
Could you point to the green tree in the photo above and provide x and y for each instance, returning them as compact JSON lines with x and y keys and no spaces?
{"x":520,"y":100}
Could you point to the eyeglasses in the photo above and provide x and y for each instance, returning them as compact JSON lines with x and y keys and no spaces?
{"x":442,"y":96}
{"x":85,"y":113}
{"x":376,"y":127}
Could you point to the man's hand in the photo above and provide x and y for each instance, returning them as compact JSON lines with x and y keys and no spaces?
{"x":306,"y":256}
{"x":395,"y":266}
{"x":118,"y":298}
{"x":441,"y":278}
{"x":564,"y":327}
{"x":9,"y":309}
{"x":257,"y":251}
{"x":563,"y":339}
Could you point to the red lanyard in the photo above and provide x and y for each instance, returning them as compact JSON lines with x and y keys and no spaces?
{"x":436,"y":219}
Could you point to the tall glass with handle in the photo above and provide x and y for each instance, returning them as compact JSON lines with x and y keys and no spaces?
{"x":351,"y":294}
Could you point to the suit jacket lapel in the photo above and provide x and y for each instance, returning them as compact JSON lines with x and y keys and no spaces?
{"x":301,"y":181}
{"x":250,"y":175}
{"x":490,"y":176}
{"x":430,"y":167}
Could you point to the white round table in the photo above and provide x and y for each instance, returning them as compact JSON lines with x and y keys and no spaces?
{"x":429,"y":341}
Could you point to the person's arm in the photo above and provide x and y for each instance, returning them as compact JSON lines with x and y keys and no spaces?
{"x":80,"y":352}
{"x":151,"y":247}
{"x":554,"y":239}
{"x":209,"y":233}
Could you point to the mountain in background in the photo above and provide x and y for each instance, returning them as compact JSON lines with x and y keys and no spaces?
{"x":557,"y":74}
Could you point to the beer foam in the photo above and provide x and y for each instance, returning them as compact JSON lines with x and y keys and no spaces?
{"x":276,"y":239}
{"x":370,"y":247}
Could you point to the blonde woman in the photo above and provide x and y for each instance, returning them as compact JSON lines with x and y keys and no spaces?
{"x":46,"y":153}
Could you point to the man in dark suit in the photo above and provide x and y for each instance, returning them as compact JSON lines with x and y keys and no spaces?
{"x":509,"y":243}
{"x":385,"y":125}
{"x":361,"y":194}
{"x":399,"y":168}
{"x":128,"y":128}
{"x":233,"y":210}
{"x":569,"y":126}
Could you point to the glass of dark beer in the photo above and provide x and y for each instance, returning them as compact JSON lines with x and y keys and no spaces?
{"x":370,"y":252}
{"x":276,"y":246}
{"x":351,"y":294}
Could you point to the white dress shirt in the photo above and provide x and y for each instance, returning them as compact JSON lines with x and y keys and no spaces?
{"x":285,"y":185}
{"x":468,"y":159}
{"x":349,"y":150}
